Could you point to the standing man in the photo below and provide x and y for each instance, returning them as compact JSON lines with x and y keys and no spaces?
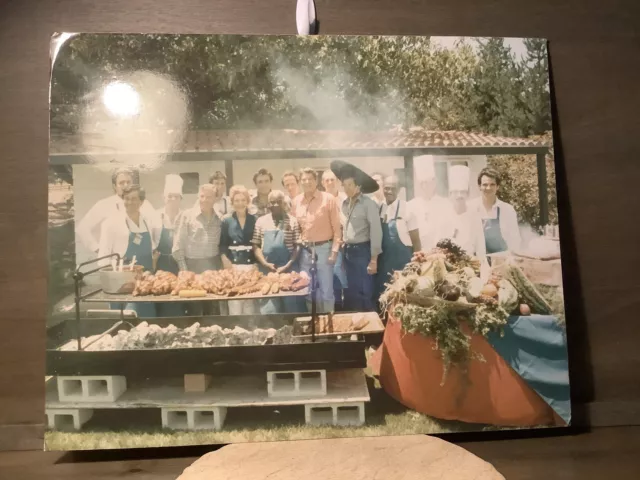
{"x":169,"y":218}
{"x":467,"y":227}
{"x":291,"y":183}
{"x":340,"y":284}
{"x":362,"y":235}
{"x":89,"y":228}
{"x":196,"y":246}
{"x":435,"y":214}
{"x":320,"y":230}
{"x":499,"y":219}
{"x":260,"y":203}
{"x":276,"y":245}
{"x":400,"y":234}
{"x":222,"y":204}
{"x":331,"y":185}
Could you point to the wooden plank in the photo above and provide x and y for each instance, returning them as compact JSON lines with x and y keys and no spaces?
{"x":22,"y":437}
{"x":248,"y":391}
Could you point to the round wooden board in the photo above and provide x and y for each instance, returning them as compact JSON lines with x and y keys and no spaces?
{"x":406,"y":457}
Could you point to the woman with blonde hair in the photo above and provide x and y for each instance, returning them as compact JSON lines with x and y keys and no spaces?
{"x":235,"y":243}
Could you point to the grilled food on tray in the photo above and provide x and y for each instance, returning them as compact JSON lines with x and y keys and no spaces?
{"x":342,"y":323}
{"x":230,"y":283}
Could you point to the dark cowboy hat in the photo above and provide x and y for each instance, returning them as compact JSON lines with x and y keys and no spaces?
{"x":344,"y":170}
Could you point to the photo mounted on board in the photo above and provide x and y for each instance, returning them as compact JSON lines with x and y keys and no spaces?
{"x":255,"y":238}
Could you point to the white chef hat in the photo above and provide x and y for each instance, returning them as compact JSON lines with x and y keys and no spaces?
{"x":424,"y":168}
{"x":173,"y":184}
{"x":459,"y":178}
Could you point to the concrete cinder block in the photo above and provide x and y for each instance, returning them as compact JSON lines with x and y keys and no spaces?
{"x":106,"y":388}
{"x":297,"y":383}
{"x":67,"y":418}
{"x":340,"y":414}
{"x":196,"y":382}
{"x":193,"y":418}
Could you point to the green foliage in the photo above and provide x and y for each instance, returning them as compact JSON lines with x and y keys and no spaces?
{"x":312,"y":82}
{"x":519,"y":185}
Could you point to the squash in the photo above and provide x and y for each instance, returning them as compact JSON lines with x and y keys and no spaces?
{"x":507,"y":295}
{"x":527,"y":290}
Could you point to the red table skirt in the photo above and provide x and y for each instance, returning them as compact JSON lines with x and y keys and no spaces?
{"x":410,"y":370}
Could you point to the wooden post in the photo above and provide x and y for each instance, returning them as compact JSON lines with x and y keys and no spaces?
{"x":228,"y":171}
{"x":542,"y":189}
{"x":408,"y":176}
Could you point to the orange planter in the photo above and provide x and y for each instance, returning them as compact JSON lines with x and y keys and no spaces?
{"x":410,"y":370}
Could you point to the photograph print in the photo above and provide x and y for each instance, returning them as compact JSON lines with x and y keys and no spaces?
{"x":261,"y":238}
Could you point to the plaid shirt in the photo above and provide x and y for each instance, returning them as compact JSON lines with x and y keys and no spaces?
{"x":289,"y":225}
{"x":196,"y":237}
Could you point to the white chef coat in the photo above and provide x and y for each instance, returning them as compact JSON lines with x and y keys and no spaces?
{"x":508,"y":220}
{"x":114,"y":237}
{"x":436,"y":219}
{"x":89,"y":228}
{"x":468,"y":234}
{"x":406,"y":221}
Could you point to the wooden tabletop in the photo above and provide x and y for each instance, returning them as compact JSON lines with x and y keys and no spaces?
{"x":603,"y":453}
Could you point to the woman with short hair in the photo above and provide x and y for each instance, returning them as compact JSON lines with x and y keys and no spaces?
{"x":236,"y":243}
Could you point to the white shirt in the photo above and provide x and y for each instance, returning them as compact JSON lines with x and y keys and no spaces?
{"x":436,"y":219}
{"x":468,"y":234}
{"x":163,"y":219}
{"x":508,"y":220}
{"x":114,"y":237}
{"x":406,"y":221}
{"x":90,"y":227}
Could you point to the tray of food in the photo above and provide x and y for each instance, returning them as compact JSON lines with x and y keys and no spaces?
{"x":210,"y":285}
{"x":339,"y":324}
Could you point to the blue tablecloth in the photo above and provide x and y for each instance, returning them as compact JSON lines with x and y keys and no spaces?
{"x":536,"y":348}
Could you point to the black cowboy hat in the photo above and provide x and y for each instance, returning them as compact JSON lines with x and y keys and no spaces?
{"x":344,"y":170}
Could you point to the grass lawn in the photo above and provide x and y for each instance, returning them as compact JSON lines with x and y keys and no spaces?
{"x":111,"y":429}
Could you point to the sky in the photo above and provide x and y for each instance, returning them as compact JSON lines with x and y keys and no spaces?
{"x":516,"y":44}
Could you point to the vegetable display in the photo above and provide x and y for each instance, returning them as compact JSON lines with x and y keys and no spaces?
{"x":441,"y":290}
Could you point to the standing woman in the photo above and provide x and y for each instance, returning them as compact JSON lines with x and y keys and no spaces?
{"x":130,"y":234}
{"x":169,"y":218}
{"x":236,"y":244}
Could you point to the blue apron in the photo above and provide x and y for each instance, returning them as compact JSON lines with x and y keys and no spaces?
{"x":395,"y":254}
{"x":493,"y":239}
{"x":167,"y":263}
{"x":140,"y":246}
{"x":275,"y":251}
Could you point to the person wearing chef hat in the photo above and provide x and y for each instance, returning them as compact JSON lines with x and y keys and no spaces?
{"x":168,"y":218}
{"x":434,"y":213}
{"x":400,"y":234}
{"x":467,"y":227}
{"x":362,"y":235}
{"x":499,"y":219}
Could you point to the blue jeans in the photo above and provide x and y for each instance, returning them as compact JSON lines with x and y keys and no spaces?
{"x":359,"y":296}
{"x":324,"y":295}
{"x":270,"y":306}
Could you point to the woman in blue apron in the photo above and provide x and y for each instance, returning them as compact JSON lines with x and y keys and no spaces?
{"x":493,"y":239}
{"x":395,"y":254}
{"x":139,"y":245}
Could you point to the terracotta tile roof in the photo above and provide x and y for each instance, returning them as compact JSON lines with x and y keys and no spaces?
{"x":292,"y":140}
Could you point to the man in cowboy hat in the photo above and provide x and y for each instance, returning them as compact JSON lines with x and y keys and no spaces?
{"x":362,"y":235}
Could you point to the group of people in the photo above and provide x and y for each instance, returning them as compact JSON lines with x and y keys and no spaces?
{"x":355,"y":237}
